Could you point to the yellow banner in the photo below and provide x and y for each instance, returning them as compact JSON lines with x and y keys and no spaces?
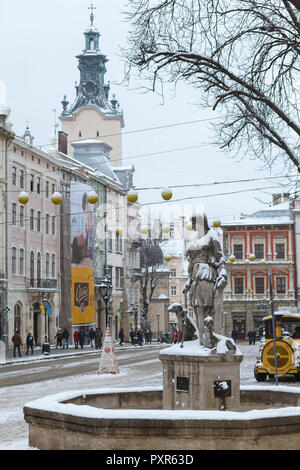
{"x":83,"y":310}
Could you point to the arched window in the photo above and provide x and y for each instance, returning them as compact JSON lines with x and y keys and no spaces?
{"x":32,"y":269}
{"x":17,"y":317}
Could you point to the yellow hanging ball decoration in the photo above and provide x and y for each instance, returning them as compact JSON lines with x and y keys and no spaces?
{"x":144,"y":230}
{"x":168,"y":258}
{"x":165,"y":228}
{"x":251,"y":257}
{"x":93,"y":197}
{"x":217,"y":223}
{"x":231,"y":258}
{"x":263,"y":262}
{"x":247,"y":261}
{"x":189,"y":226}
{"x":132,"y":196}
{"x":56,"y":198}
{"x":23,"y":198}
{"x":166,"y":194}
{"x":119,"y":232}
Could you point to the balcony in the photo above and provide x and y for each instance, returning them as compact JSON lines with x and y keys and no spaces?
{"x":41,"y":283}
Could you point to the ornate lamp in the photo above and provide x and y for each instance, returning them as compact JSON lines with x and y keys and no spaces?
{"x":106,"y":290}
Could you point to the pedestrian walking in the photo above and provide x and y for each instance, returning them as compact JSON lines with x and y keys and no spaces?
{"x":65,"y":336}
{"x":75,"y":336}
{"x":250,"y":336}
{"x":16,"y":339}
{"x":174,"y":336}
{"x":121,"y":336}
{"x":59,"y":337}
{"x":234,"y":335}
{"x":98,"y":339}
{"x":253,"y":336}
{"x":132,"y":334}
{"x":140,"y":337}
{"x":81,"y":338}
{"x":29,"y":343}
{"x":92,"y":337}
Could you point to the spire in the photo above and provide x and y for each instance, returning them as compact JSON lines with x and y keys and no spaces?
{"x":92,"y":89}
{"x":92,"y":17}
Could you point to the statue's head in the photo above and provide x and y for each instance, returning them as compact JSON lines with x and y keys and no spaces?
{"x":200,"y":223}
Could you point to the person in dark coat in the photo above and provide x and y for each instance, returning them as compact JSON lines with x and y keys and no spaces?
{"x":121,"y":336}
{"x":29,"y":343}
{"x":81,"y":337}
{"x":234,"y":335}
{"x":92,"y":337}
{"x":65,"y":338}
{"x":98,"y":339}
{"x":16,"y":339}
{"x":59,"y":337}
{"x":132,"y":334}
{"x":76,"y":334}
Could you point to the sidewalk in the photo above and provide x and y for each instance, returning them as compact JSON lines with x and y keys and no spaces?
{"x":60,"y":352}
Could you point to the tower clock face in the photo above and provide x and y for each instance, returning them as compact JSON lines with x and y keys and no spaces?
{"x":90,"y":88}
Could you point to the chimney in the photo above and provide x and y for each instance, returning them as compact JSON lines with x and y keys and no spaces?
{"x":276,"y":199}
{"x":286,"y":197}
{"x":63,"y":142}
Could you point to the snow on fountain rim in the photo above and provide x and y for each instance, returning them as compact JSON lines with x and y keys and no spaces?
{"x":52,"y":403}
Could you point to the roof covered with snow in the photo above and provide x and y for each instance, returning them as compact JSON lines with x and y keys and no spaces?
{"x":277,"y":214}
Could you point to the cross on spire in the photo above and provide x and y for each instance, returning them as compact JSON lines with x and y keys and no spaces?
{"x":92,"y":8}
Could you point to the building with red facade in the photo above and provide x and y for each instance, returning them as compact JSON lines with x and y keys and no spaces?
{"x":267,"y":234}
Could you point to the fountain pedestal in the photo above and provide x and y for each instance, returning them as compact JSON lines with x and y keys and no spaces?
{"x":198,"y":378}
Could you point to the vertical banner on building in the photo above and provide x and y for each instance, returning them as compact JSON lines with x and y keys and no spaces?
{"x":82,"y":239}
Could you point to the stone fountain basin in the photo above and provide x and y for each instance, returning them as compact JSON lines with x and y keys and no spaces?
{"x":117,"y":419}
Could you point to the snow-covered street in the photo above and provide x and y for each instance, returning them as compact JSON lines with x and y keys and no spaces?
{"x":14,"y":430}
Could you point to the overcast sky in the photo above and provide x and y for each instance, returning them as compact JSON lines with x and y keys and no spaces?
{"x":38,"y":45}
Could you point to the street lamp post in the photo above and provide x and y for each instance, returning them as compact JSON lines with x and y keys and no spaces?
{"x":157,"y":315}
{"x":46,"y":345}
{"x":106,"y":291}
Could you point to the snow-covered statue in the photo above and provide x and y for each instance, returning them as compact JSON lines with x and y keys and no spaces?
{"x":207,"y":278}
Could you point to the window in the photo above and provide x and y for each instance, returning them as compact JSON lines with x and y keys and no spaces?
{"x":173,"y":272}
{"x":31,"y":219}
{"x":238,"y":251}
{"x":47,"y":188}
{"x":171,"y":233}
{"x":173,"y":290}
{"x":53,"y":265}
{"x":17,"y":317}
{"x":38,"y":222}
{"x":280,"y":285}
{"x":38,"y":269}
{"x":14,"y":214}
{"x":53,"y":225}
{"x":119,"y":244}
{"x":238,"y":285}
{"x":259,"y":250}
{"x":21,"y":262}
{"x":53,"y":186}
{"x":14,"y":260}
{"x":14,"y":175}
{"x":32,"y":268}
{"x":47,"y":265}
{"x":31,"y":183}
{"x":22,"y":212}
{"x":38,"y":185}
{"x":259,"y":285}
{"x":119,"y":278}
{"x":280,"y":250}
{"x":22,"y":179}
{"x":109,"y":241}
{"x":47,"y":224}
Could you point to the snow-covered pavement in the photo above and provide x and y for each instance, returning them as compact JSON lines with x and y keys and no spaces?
{"x":14,"y":430}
